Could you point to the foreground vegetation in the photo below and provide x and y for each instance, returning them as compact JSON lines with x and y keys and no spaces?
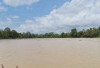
{"x":7,"y":33}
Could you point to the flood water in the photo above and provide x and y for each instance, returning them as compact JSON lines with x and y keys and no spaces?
{"x":50,"y":53}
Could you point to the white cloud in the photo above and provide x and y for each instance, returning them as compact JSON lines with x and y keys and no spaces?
{"x":0,"y":3}
{"x":28,"y":21}
{"x":28,"y":8}
{"x":15,"y":17}
{"x":75,"y":14}
{"x":16,"y":3}
{"x":2,"y":8}
{"x":5,"y":23}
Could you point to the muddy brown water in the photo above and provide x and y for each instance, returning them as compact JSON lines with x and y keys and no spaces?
{"x":50,"y":53}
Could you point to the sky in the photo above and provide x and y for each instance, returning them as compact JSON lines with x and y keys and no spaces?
{"x":43,"y":16}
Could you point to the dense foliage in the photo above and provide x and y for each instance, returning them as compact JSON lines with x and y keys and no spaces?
{"x":7,"y":33}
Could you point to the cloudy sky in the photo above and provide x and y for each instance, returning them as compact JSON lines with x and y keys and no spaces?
{"x":42,"y":16}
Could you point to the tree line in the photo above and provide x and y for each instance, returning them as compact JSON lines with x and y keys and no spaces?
{"x":7,"y":33}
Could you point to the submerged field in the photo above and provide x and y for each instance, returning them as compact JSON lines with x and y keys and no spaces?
{"x":50,"y":53}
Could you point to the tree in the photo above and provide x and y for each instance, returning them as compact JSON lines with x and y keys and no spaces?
{"x":7,"y":32}
{"x":14,"y":34}
{"x":80,"y":34}
{"x":20,"y":35}
{"x":74,"y":32}
{"x":27,"y":35}
{"x":92,"y":32}
{"x":63,"y":35}
{"x":1,"y":34}
{"x":7,"y":29}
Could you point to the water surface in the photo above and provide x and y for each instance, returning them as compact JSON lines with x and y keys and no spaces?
{"x":50,"y":53}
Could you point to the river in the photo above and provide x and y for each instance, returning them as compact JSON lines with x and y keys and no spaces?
{"x":50,"y":53}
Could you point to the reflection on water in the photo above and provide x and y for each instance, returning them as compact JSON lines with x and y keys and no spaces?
{"x":50,"y":53}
